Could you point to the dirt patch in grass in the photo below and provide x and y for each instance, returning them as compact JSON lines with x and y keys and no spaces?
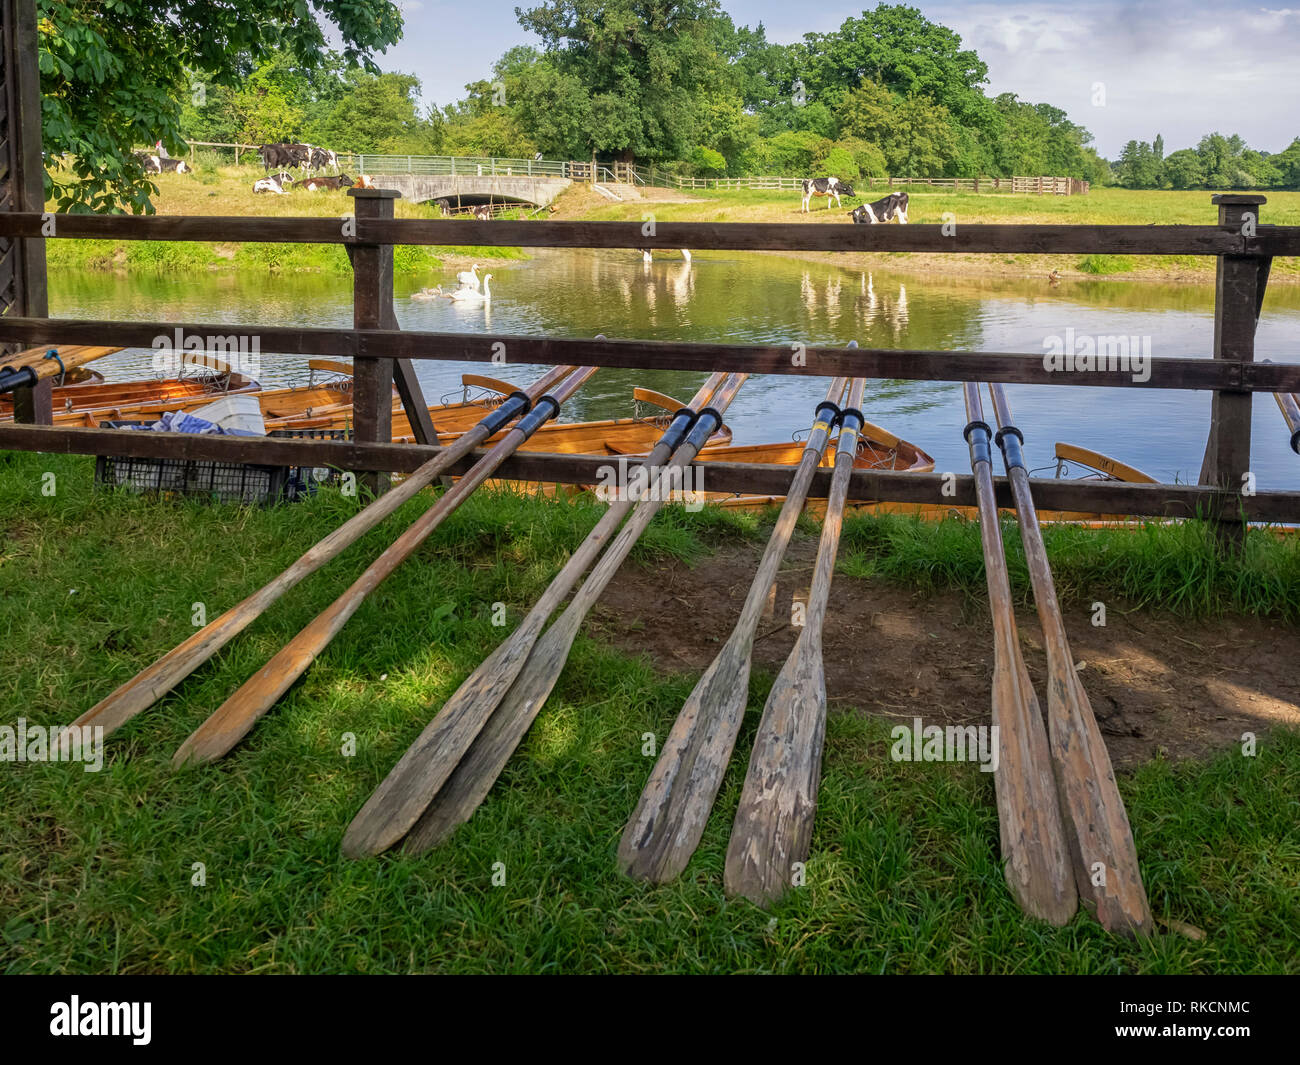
{"x":1160,"y":685}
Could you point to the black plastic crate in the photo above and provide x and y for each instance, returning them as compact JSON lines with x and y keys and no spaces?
{"x":220,"y":482}
{"x":305,"y":479}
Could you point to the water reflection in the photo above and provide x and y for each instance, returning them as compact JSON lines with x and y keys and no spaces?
{"x":759,"y":298}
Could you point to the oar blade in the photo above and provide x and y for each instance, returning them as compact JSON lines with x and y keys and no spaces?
{"x":478,"y":769}
{"x":1098,"y":832}
{"x":395,"y":806}
{"x":772,"y":832}
{"x":1035,"y":859}
{"x":669,"y":820}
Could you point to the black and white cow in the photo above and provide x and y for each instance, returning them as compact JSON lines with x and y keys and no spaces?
{"x":830,"y":187}
{"x":169,"y":165}
{"x":323,"y":159}
{"x":883,"y":210}
{"x":274,"y":183}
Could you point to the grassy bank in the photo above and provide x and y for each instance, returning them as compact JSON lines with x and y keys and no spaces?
{"x":227,"y":190}
{"x":1102,"y":206}
{"x":96,"y":870}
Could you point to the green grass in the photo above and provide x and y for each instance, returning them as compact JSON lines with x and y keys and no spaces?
{"x":215,"y":189}
{"x":1101,"y":206}
{"x":96,"y":869}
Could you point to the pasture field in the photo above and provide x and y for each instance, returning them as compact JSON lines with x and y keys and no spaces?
{"x":1101,"y":206}
{"x":98,"y":869}
{"x":226,"y":190}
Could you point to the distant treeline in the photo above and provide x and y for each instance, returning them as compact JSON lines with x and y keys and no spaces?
{"x":679,"y":85}
{"x":1216,"y":162}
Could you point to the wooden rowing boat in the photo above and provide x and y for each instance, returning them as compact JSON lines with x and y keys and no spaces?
{"x":878,"y":449}
{"x":98,"y":395}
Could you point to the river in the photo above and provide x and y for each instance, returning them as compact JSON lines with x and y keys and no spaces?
{"x":751,"y":298}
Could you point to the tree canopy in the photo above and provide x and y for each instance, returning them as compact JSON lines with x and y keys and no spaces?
{"x":117,"y":73}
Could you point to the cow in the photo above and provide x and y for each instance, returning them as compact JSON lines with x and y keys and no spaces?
{"x":444,"y":205}
{"x":830,"y":187}
{"x":311,"y":184}
{"x":365,"y":181}
{"x":322,"y":159}
{"x":274,"y":183}
{"x":882,"y":210}
{"x":284,"y":156}
{"x":149,"y":163}
{"x":483,"y":213}
{"x":169,"y":165}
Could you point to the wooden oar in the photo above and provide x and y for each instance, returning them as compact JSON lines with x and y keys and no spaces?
{"x":773,"y":827}
{"x":151,"y":684}
{"x":666,"y":826}
{"x":1290,"y":409}
{"x":403,"y":795}
{"x":473,"y":777}
{"x":233,"y":719}
{"x":1097,"y":828}
{"x":1036,"y":861}
{"x":24,"y":368}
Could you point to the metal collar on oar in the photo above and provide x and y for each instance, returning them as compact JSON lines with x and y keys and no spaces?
{"x":683,"y":422}
{"x":514,"y":405}
{"x":979,"y":447}
{"x":1009,"y":439}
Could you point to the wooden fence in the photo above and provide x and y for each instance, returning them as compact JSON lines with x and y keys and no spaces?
{"x":382,"y":352}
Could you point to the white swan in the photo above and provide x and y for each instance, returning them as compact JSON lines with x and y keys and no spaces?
{"x":469,"y":278}
{"x":466,"y":294}
{"x":428,"y":293}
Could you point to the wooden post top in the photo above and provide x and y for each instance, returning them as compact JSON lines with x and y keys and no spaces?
{"x":375,"y":194}
{"x":1245,"y":199}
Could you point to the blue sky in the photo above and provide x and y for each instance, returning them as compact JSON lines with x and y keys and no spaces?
{"x":1180,"y":69}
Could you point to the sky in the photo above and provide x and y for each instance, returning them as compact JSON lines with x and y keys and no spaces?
{"x":1125,"y":71}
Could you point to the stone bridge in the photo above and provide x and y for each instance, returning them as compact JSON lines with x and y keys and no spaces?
{"x":472,"y":189}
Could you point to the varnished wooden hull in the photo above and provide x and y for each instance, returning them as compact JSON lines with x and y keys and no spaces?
{"x":102,"y":397}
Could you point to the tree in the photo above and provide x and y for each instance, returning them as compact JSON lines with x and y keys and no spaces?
{"x":645,"y":64}
{"x":378,"y":113}
{"x":116,"y":75}
{"x":901,"y":50}
{"x":917,"y":137}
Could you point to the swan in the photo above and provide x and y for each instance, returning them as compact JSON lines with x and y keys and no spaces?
{"x":473,"y":295}
{"x":469,"y":278}
{"x":428,"y":293}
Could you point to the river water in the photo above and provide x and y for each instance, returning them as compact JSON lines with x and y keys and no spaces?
{"x":750,"y":298}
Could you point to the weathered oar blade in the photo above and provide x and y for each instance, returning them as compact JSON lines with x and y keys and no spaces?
{"x":232,"y":721}
{"x":472,"y":779}
{"x":772,"y":832}
{"x":151,"y":684}
{"x":1036,"y":862}
{"x":399,"y":800}
{"x":668,"y":822}
{"x":1098,"y":833}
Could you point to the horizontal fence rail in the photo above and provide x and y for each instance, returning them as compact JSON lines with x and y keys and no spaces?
{"x":895,"y":364}
{"x":1151,"y":500}
{"x":730,"y":236}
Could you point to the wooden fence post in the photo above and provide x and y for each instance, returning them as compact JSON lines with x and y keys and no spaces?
{"x":1238,"y":295}
{"x":372,"y":308}
{"x":22,"y":188}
